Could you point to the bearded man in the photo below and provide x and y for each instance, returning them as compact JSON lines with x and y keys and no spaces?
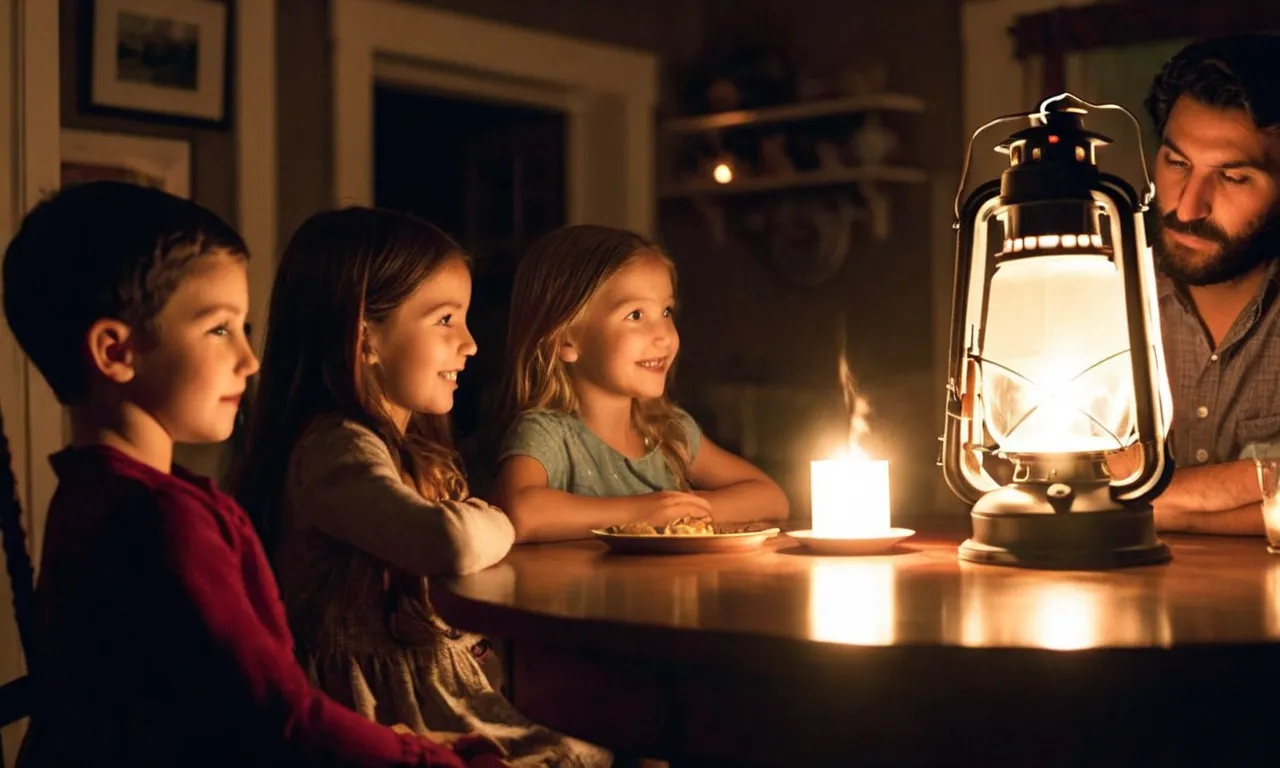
{"x":1216,"y":107}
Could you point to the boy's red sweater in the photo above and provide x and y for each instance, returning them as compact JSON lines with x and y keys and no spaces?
{"x":161,"y":639}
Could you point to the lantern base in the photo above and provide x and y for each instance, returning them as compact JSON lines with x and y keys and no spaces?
{"x":1051,"y":526}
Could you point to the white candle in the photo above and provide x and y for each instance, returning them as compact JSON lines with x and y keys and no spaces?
{"x":849,"y":497}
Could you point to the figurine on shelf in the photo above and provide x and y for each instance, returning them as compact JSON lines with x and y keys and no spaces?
{"x":829,"y":158}
{"x":775,"y":160}
{"x":723,"y":95}
{"x":749,"y":77}
{"x":873,"y":142}
{"x":865,"y":80}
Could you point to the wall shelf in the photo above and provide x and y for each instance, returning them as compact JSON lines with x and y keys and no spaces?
{"x":785,"y":113}
{"x":799,"y":180}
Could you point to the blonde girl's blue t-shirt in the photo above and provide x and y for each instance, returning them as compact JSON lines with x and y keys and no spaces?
{"x":578,"y":461}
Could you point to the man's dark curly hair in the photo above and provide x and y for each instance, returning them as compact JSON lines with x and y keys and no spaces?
{"x":1239,"y":71}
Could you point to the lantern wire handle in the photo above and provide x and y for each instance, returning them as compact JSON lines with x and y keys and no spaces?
{"x":1148,"y":190}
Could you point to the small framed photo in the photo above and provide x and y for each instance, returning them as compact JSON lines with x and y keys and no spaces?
{"x":97,"y":156}
{"x":164,"y":58}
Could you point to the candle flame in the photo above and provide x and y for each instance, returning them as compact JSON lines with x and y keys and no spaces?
{"x":850,"y":490}
{"x":855,"y":405}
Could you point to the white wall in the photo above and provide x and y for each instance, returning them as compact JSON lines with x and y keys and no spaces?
{"x":995,"y":82}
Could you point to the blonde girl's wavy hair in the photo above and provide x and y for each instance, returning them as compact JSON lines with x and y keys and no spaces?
{"x":554,"y":282}
{"x":341,"y":270}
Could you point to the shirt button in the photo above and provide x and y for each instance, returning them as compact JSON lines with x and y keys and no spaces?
{"x":1214,"y":357}
{"x":1202,"y":411}
{"x":1202,"y":455}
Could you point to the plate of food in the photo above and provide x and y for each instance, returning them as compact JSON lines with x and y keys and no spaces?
{"x":685,"y":536}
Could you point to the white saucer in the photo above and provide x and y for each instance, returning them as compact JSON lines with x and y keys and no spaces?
{"x":864,"y":545}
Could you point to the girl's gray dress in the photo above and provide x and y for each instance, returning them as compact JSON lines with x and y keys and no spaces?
{"x":356,"y":547}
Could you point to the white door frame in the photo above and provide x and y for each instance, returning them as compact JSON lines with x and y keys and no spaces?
{"x":29,"y":117}
{"x":607,"y":93}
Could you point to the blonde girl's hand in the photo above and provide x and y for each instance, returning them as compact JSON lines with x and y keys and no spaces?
{"x":660,"y":508}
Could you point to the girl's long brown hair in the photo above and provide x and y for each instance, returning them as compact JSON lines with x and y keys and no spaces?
{"x":554,"y":282}
{"x":341,"y":269}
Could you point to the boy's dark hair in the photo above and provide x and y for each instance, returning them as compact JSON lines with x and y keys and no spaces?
{"x":105,"y":249}
{"x":1238,"y":72}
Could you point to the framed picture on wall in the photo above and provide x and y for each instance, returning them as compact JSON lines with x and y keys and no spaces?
{"x":97,"y":156}
{"x":166,"y":59}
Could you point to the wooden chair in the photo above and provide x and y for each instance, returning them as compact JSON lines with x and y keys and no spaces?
{"x":15,"y":696}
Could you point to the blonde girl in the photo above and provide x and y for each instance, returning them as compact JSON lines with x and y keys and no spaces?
{"x":594,"y":440}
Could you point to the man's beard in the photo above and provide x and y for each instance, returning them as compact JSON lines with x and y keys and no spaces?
{"x":1237,"y":256}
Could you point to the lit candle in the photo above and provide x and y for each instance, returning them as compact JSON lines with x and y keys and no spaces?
{"x":849,"y":497}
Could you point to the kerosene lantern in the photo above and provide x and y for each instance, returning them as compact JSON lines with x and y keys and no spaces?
{"x":1056,"y":369}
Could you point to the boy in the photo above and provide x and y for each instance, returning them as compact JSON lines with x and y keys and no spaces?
{"x":159,"y":635}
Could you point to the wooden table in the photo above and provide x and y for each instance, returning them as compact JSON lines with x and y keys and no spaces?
{"x":778,"y":657}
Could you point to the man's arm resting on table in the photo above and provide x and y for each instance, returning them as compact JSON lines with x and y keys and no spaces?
{"x":1211,"y":488}
{"x":1218,"y":498}
{"x":1241,"y":521}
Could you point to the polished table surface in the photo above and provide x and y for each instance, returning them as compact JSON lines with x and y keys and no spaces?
{"x":779,"y":657}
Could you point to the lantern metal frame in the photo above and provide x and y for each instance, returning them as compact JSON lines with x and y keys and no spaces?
{"x":1061,"y":510}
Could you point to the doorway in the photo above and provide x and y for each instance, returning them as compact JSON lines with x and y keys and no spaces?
{"x":492,"y":176}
